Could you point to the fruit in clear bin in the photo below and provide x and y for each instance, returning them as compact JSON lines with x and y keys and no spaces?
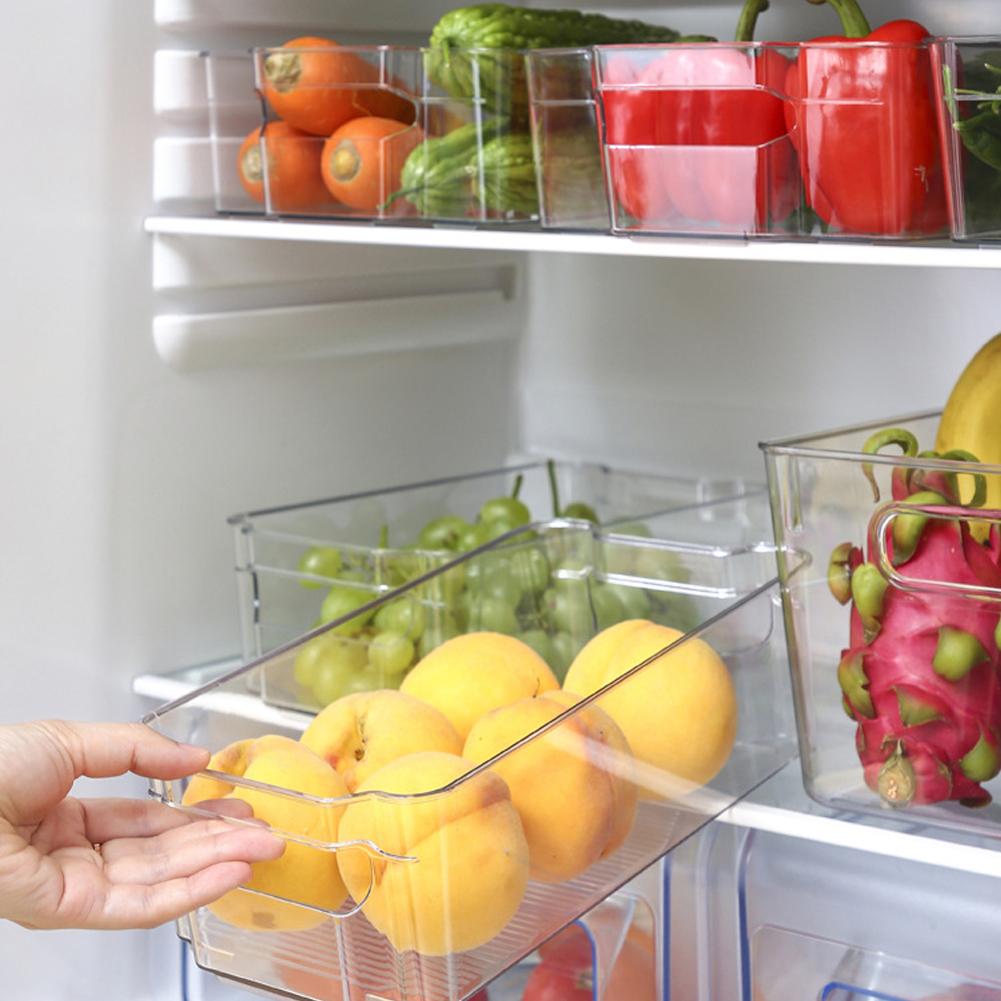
{"x":582,"y":768}
{"x":303,"y":873}
{"x":341,"y":601}
{"x":540,"y":642}
{"x":443,"y":629}
{"x":473,"y":673}
{"x":325,"y":665}
{"x":508,"y":510}
{"x":359,"y":734}
{"x":317,"y":86}
{"x":566,"y":972}
{"x":608,"y":609}
{"x":921,"y":676}
{"x":491,"y":614}
{"x":443,"y":532}
{"x":564,"y":650}
{"x":529,"y":568}
{"x":471,"y":858}
{"x":292,"y":159}
{"x":319,"y":561}
{"x":569,"y":610}
{"x":634,"y":601}
{"x":679,"y":713}
{"x":405,"y":616}
{"x":390,"y":654}
{"x":471,"y":537}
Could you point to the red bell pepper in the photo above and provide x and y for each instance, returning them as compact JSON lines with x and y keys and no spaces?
{"x":697,"y":136}
{"x":862,"y":117}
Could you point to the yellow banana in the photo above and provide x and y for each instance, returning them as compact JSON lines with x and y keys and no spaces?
{"x":972,"y":416}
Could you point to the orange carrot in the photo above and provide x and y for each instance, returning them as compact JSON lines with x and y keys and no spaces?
{"x":293,"y":162}
{"x":362,"y":161}
{"x":316,"y":86}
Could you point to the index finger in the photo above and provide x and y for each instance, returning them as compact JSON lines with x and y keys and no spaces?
{"x":100,"y":750}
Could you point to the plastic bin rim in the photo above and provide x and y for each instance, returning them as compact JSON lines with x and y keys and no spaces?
{"x":800,"y":446}
{"x":743,"y":489}
{"x":150,"y":718}
{"x":377,"y":794}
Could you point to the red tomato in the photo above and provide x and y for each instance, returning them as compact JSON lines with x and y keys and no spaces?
{"x":566,"y":973}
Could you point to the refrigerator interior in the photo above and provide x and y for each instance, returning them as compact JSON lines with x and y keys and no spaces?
{"x":163,"y":379}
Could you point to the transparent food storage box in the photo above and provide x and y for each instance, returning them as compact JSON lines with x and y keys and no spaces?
{"x":567,"y":146}
{"x":815,"y":140}
{"x":968,"y":78}
{"x":297,"y":565}
{"x":439,"y":854}
{"x":793,"y":918}
{"x":371,"y":133}
{"x":893,"y":620}
{"x":696,"y":139}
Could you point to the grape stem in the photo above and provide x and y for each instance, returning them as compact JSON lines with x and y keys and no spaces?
{"x":384,"y":537}
{"x":554,"y":490}
{"x":517,"y":486}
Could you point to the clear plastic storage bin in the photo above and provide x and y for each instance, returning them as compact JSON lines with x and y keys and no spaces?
{"x":696,"y":139}
{"x":893,"y":621}
{"x":815,"y":140}
{"x":790,"y":918}
{"x":968,"y":78}
{"x":372,"y":133}
{"x":436,"y":874}
{"x":568,"y":165}
{"x":290,"y":559}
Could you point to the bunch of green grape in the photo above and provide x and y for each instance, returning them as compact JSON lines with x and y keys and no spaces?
{"x":549,"y":600}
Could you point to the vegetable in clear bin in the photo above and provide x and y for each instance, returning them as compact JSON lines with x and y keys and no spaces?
{"x":493,"y":71}
{"x":863,"y":120}
{"x":921,"y":676}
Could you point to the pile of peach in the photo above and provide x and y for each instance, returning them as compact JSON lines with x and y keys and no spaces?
{"x":433,"y":806}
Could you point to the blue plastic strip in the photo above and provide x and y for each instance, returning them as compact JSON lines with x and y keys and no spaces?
{"x":835,"y":991}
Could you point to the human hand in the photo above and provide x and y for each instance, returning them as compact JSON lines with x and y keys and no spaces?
{"x":110,"y":863}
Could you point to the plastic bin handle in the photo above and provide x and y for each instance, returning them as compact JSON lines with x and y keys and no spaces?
{"x":882,"y":520}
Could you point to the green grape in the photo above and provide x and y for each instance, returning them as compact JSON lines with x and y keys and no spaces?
{"x":677,"y":611}
{"x":567,"y":612}
{"x":320,"y":561}
{"x":661,"y":564}
{"x":608,"y":608}
{"x":404,"y":616}
{"x":390,"y":653}
{"x":492,"y":615}
{"x":509,"y":510}
{"x":437,"y":633}
{"x":342,"y":601}
{"x":580,"y":511}
{"x":540,"y":642}
{"x":530,"y":569}
{"x":472,"y":536}
{"x":634,"y":600}
{"x":365,"y":680}
{"x":333,"y":663}
{"x":442,"y":533}
{"x":571,"y":575}
{"x":564,"y":650}
{"x":637,"y":528}
{"x":323,"y":650}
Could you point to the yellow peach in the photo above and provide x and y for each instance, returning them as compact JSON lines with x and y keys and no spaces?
{"x":471,"y":674}
{"x":468,"y":859}
{"x":572,"y":785}
{"x":305,"y":874}
{"x":359,"y":734}
{"x":679,"y":713}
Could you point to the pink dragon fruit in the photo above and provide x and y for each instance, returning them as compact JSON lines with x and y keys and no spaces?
{"x":922,"y":674}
